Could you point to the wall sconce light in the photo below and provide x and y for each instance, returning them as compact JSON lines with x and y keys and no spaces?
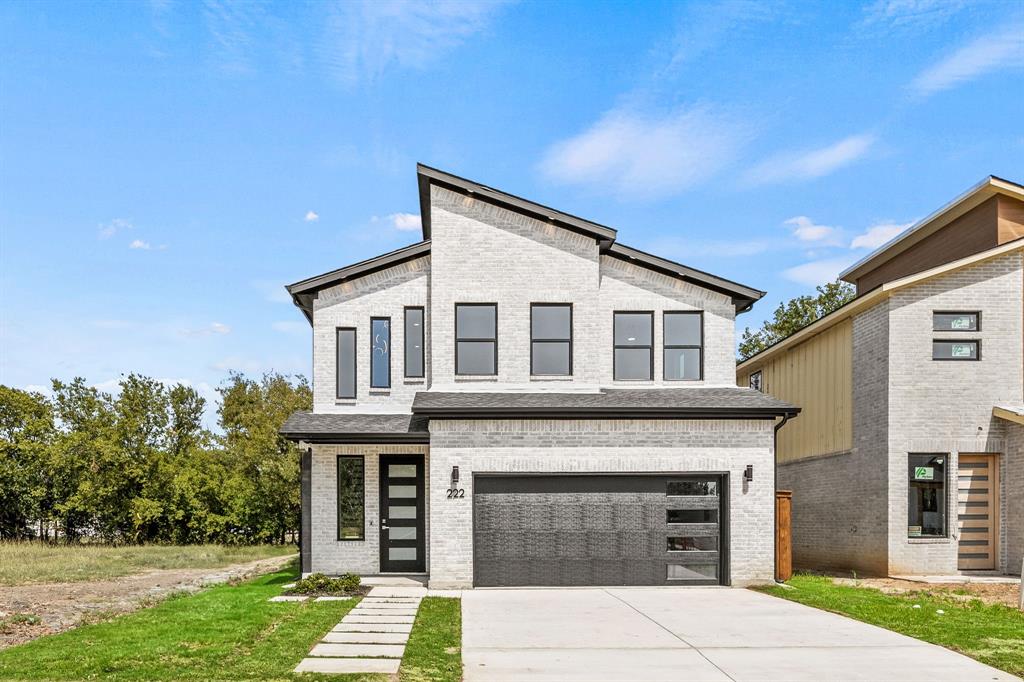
{"x":748,"y":473}
{"x":455,"y":476}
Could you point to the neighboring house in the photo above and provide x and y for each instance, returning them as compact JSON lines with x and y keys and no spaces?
{"x":519,"y":399}
{"x":908,"y":457}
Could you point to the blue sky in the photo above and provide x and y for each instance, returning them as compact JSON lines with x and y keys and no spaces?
{"x":166,"y":167}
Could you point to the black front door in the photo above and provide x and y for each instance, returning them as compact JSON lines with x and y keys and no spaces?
{"x":402,"y":512}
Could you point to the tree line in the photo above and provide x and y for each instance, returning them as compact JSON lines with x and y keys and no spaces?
{"x":140,"y":466}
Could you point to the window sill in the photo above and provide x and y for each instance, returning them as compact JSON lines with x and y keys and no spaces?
{"x":345,"y":401}
{"x":416,"y":381}
{"x":550,"y":377}
{"x":380,"y":391}
{"x":928,"y":541}
{"x":635,"y":382}
{"x":475,"y":377}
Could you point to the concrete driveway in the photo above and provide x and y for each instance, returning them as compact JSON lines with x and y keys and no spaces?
{"x":687,"y":634}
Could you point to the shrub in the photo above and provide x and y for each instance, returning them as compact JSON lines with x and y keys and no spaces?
{"x":320,"y":584}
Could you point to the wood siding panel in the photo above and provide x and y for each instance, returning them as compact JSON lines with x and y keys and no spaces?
{"x":1011,"y":219}
{"x":817,"y":376}
{"x":973,"y":232}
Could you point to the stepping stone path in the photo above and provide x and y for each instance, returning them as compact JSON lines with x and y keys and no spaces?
{"x":371,"y":637}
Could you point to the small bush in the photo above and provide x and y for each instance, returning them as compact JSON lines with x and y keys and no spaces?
{"x":320,"y":584}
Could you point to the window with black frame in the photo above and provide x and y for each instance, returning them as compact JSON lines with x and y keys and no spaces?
{"x":380,"y":352}
{"x":551,"y":339}
{"x":345,"y":362}
{"x":414,"y":343}
{"x":351,"y":500}
{"x":684,"y":346}
{"x":476,"y":338}
{"x":633,"y":358}
{"x":926,"y":496}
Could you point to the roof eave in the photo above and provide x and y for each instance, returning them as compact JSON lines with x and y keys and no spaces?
{"x":607,"y":413}
{"x":342,"y":438}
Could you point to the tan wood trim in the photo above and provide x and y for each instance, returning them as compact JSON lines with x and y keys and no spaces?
{"x":1010,"y":415}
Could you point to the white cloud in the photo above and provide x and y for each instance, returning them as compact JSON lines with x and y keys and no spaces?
{"x":996,"y":50}
{"x":363,"y":39}
{"x":879,"y":234}
{"x":914,"y":15}
{"x":140,"y":245}
{"x":406,"y":222}
{"x":290,"y":327}
{"x":311,"y":216}
{"x":218,"y":328}
{"x":812,"y":163}
{"x":819,"y":271}
{"x":639,"y":155}
{"x":114,"y":226}
{"x":806,"y":230}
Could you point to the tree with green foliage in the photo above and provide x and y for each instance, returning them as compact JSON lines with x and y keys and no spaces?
{"x":26,"y":434}
{"x":794,"y":315}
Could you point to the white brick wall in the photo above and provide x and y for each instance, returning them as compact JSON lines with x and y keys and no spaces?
{"x":333,"y":556}
{"x":351,"y":304}
{"x":478,"y":446}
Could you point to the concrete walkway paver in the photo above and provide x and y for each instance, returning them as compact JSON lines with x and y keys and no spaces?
{"x":371,"y":637}
{"x":710,"y":634}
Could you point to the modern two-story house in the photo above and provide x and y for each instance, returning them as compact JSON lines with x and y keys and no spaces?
{"x":519,"y":399}
{"x":908,"y":457}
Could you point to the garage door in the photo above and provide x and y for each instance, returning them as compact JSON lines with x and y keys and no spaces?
{"x":599,"y":529}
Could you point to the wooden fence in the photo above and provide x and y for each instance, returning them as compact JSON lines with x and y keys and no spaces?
{"x":783,"y":534}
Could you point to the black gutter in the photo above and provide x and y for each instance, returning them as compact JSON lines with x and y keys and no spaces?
{"x":603,"y":413}
{"x":422,"y":438}
{"x":775,"y":502}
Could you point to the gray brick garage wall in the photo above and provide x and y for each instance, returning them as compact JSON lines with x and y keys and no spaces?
{"x":602,"y":446}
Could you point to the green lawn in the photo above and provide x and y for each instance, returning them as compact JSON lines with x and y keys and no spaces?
{"x":228,"y":632}
{"x":434,"y":651}
{"x":32,"y":562}
{"x":992,"y":634}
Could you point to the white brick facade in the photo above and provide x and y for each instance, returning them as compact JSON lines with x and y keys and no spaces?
{"x":606,"y":446}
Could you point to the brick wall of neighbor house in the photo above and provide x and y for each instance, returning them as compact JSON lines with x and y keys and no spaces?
{"x":477,"y":446}
{"x":514,"y":260}
{"x":840,"y":501}
{"x":333,"y":556}
{"x":351,"y":304}
{"x":1013,"y":499}
{"x":947,"y":406}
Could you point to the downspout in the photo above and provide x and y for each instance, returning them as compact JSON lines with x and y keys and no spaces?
{"x":775,"y":503}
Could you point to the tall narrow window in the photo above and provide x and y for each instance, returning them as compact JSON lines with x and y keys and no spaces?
{"x":351,"y":501}
{"x":476,"y":338}
{"x":346,"y":362}
{"x":755,"y":381}
{"x":926,"y":496}
{"x":414,"y":338}
{"x":684,"y":342}
{"x":634,"y":350}
{"x":551,"y":339}
{"x":380,"y":352}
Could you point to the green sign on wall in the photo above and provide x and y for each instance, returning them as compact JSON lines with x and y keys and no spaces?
{"x":924,"y":473}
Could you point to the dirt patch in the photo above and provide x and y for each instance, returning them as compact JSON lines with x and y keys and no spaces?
{"x":62,"y":606}
{"x":989,"y":593}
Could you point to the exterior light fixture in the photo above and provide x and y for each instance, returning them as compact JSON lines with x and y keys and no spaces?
{"x":455,"y":476}
{"x":748,"y":473}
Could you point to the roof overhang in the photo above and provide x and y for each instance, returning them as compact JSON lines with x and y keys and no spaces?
{"x":342,"y":429}
{"x":427,"y":176}
{"x":868,"y":300}
{"x":972,"y":198}
{"x":1013,"y":413}
{"x":606,"y":413}
{"x":743,"y":297}
{"x":305,"y":291}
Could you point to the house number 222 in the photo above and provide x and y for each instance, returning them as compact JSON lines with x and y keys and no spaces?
{"x":456,"y":493}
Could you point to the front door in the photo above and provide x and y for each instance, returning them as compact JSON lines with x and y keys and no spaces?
{"x":402,"y":513}
{"x":978,"y":511}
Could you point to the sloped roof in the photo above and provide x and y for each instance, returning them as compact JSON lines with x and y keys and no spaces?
{"x":671,"y":403}
{"x":356,"y":428}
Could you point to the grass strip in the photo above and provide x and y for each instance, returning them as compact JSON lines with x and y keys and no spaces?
{"x":434,"y":651}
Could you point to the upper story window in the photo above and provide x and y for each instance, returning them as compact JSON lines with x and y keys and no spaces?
{"x":414,"y":337}
{"x":755,"y":381}
{"x":684,"y":346}
{"x":346,"y":362}
{"x":551,"y":339}
{"x":633,"y":358}
{"x":476,"y":338}
{"x":956,"y":322}
{"x":380,"y":352}
{"x":956,"y":350}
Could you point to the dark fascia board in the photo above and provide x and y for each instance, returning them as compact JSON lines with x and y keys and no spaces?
{"x":427,"y":176}
{"x":743,"y":297}
{"x":303,"y":292}
{"x":607,"y":413}
{"x":359,"y":438}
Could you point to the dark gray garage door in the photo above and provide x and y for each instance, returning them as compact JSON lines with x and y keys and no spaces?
{"x":598,"y":529}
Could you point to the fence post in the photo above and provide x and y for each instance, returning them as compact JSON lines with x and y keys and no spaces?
{"x":1021,"y":605}
{"x":783,"y":535}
